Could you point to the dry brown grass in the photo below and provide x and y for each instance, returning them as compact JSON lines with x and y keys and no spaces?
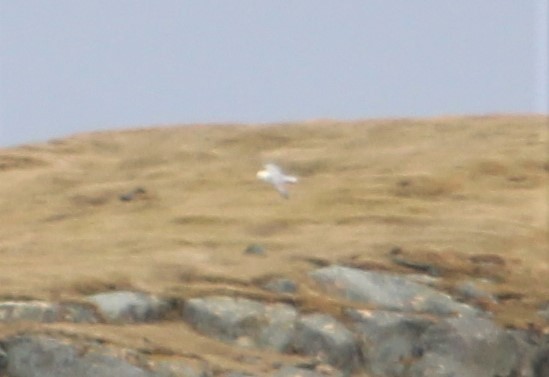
{"x":443,"y":190}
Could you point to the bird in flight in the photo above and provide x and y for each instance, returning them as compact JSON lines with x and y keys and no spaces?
{"x":272,"y":174}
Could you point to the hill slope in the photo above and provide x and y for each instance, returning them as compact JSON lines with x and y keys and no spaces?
{"x":445,"y":192}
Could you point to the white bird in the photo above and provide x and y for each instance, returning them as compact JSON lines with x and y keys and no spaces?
{"x":273,"y":174}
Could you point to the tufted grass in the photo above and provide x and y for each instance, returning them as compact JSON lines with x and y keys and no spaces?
{"x":442,"y":189}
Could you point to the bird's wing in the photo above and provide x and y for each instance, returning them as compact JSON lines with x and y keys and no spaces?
{"x":273,"y":169}
{"x":281,"y":189}
{"x":278,"y":179}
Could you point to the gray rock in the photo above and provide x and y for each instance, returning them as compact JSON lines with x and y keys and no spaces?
{"x":290,"y":371}
{"x":126,"y":306}
{"x":465,"y":346}
{"x":532,"y":352}
{"x":388,"y":339}
{"x":3,"y":360}
{"x":35,"y":311}
{"x":319,"y":367}
{"x":470,"y":291}
{"x":279,"y":323}
{"x":30,"y":356}
{"x":540,"y":365}
{"x":400,"y":259}
{"x":176,"y":369}
{"x":42,"y":311}
{"x":79,"y":312}
{"x":242,"y":321}
{"x":422,"y":279}
{"x":281,"y":285}
{"x":133,"y":194}
{"x":255,"y":249}
{"x":225,"y":318}
{"x":543,"y":312}
{"x":323,"y":336}
{"x":99,"y":364}
{"x":387,"y":291}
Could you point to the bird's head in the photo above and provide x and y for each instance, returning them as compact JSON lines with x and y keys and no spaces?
{"x":263,"y":175}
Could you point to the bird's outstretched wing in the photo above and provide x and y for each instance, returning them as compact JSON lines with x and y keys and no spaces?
{"x":273,"y":170}
{"x":281,"y":188}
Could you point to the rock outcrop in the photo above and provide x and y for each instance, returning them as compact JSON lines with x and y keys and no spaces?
{"x":396,"y":327}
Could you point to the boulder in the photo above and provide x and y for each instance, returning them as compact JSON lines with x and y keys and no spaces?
{"x":281,"y":285}
{"x":323,"y":336}
{"x":276,"y":334}
{"x":387,"y":291}
{"x":540,"y":365}
{"x":255,"y":249}
{"x":176,"y":369}
{"x":291,"y":371}
{"x":3,"y":360}
{"x":29,"y":356}
{"x":242,"y":321}
{"x":388,"y":340}
{"x":35,"y":311}
{"x":127,"y":306}
{"x":543,"y":312}
{"x":465,"y":346}
{"x":43,"y":311}
{"x":470,"y":291}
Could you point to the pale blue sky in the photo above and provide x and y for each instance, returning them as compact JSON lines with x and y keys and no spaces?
{"x":70,"y":66}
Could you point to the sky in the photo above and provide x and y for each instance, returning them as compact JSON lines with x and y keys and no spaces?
{"x":75,"y":66}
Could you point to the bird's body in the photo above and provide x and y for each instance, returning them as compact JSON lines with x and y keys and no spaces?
{"x":273,"y":174}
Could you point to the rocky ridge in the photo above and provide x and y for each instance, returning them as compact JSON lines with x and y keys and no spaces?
{"x":391,"y":325}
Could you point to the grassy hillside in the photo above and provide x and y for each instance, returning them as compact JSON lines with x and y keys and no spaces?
{"x":469,"y":195}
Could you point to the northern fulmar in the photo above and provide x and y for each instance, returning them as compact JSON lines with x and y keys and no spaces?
{"x":273,"y":174}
